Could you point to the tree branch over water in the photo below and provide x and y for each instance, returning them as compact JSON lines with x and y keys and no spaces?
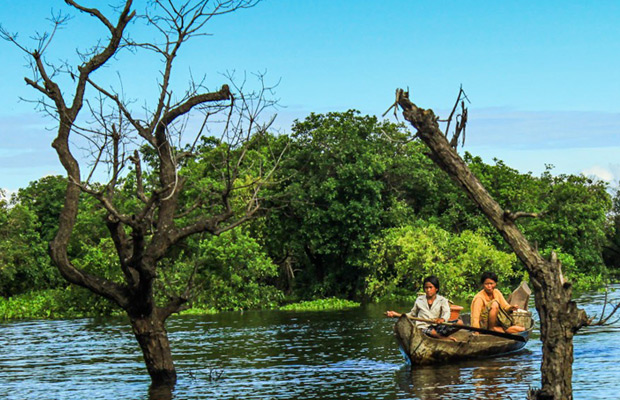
{"x":149,"y":151}
{"x":559,"y":315}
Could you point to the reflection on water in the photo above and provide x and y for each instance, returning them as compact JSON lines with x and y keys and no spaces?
{"x":160,"y":392}
{"x":498,"y":378}
{"x":429,"y":382}
{"x":278,"y":355}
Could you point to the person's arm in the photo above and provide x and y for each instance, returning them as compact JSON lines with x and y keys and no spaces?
{"x":392,"y":314}
{"x":502,"y":301}
{"x":476,"y":309}
{"x":413,"y":313}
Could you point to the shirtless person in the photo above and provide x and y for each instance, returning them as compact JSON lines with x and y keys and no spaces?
{"x":489,"y":309}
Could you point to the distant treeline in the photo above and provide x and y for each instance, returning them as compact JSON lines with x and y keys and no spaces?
{"x":356,"y":211}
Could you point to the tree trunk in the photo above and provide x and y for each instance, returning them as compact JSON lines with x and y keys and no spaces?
{"x":145,"y":232}
{"x":559,"y":316}
{"x":557,"y":338}
{"x":152,"y":336}
{"x":559,"y":320}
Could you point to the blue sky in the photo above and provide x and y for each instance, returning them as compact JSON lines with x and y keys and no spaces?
{"x":543,"y":77}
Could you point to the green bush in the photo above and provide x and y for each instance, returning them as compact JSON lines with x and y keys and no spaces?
{"x":401,"y":259}
{"x":332,"y":303}
{"x":199,"y":311}
{"x":70,"y":302}
{"x":232,"y":272}
{"x":24,"y":262}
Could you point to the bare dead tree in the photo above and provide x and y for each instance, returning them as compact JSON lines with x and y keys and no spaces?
{"x":560,"y":318}
{"x":114,"y":128}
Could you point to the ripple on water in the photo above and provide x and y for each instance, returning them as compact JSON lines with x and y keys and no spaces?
{"x":278,"y":355}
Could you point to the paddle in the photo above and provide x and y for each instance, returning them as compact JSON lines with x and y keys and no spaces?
{"x":518,"y":338}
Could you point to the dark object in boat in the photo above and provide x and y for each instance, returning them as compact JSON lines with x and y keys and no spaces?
{"x":471,"y":328}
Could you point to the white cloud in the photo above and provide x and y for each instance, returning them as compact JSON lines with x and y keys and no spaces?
{"x":5,"y":194}
{"x":599,"y":172}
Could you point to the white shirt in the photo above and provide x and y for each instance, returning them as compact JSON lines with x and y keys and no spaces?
{"x":439,"y":309}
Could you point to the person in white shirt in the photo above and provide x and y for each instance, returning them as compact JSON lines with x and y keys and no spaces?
{"x":430,"y":306}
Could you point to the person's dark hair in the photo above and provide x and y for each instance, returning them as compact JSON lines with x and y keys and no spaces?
{"x":432,"y":279}
{"x":488,"y":275}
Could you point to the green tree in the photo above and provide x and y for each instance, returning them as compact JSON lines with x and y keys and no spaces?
{"x":144,"y":233}
{"x":576,"y":223}
{"x":45,"y":198}
{"x":232,"y":272}
{"x":573,"y":215}
{"x":399,"y":261}
{"x":335,"y":199}
{"x":611,"y":250}
{"x":24,"y":263}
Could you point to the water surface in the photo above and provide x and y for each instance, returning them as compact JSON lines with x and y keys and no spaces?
{"x":281,"y":355}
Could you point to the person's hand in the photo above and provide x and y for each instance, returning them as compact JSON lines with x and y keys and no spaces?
{"x":439,"y":320}
{"x":389,"y":314}
{"x":513,"y":307}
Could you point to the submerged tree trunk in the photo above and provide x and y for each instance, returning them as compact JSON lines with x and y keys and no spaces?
{"x":559,"y":316}
{"x":152,"y":337}
{"x":145,"y":231}
{"x":559,"y":321}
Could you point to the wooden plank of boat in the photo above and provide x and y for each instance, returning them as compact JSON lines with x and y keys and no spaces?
{"x":520,"y":296}
{"x":423,"y":349}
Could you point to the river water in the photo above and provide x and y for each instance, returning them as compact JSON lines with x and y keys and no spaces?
{"x":281,"y":355}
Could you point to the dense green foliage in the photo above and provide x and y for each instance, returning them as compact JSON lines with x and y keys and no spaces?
{"x":331,"y":303}
{"x":69,"y":302}
{"x":403,"y":257}
{"x":232,"y":272}
{"x":611,"y":249}
{"x":335,"y":200}
{"x":357,"y":213}
{"x":24,"y":263}
{"x":575,"y":218}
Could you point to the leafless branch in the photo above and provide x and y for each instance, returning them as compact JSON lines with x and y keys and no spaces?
{"x":142,"y":131}
{"x":604,"y":319}
{"x":461,"y":123}
{"x":138,"y":167}
{"x":461,"y":119}
{"x":96,"y":13}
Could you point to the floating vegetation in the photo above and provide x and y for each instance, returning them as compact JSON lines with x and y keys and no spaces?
{"x":331,"y":303}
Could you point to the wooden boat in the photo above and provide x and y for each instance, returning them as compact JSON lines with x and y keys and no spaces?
{"x":420,"y":349}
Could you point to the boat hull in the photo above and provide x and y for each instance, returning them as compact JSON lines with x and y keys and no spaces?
{"x":420,"y":349}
